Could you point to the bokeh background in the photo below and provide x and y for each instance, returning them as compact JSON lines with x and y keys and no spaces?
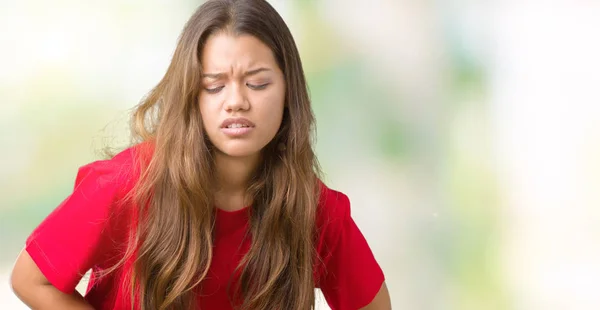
{"x":466,"y":133}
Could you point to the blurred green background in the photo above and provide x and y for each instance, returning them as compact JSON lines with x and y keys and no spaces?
{"x":466,"y":134}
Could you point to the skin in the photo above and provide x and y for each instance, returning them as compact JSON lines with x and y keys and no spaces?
{"x":240,"y":79}
{"x":233,"y":94}
{"x":34,"y":289}
{"x":233,"y":87}
{"x":381,"y":301}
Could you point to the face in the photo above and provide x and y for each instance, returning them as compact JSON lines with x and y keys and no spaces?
{"x":242,"y":96}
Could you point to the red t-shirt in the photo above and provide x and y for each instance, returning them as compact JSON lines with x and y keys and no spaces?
{"x":89,"y":230}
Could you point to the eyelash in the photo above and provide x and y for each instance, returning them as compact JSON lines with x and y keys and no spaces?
{"x":214,"y":90}
{"x":253,"y":87}
{"x":257,"y":87}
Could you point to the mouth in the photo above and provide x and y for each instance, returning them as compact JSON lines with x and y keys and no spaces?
{"x":239,"y":122}
{"x":237,"y":127}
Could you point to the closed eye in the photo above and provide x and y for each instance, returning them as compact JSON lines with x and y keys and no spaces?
{"x":257,"y":87}
{"x":214,"y":90}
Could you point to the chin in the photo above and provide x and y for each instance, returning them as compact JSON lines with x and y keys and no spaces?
{"x":239,"y":153}
{"x":240,"y":150}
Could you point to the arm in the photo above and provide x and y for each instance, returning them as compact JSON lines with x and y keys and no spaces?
{"x":351,"y":278}
{"x":77,"y":235}
{"x":381,"y":301}
{"x":32,"y":287}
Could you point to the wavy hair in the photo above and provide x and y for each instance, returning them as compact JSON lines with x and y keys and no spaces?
{"x":173,"y":241}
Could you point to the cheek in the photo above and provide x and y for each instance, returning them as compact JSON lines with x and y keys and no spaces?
{"x":272,"y":109}
{"x":274,"y":102}
{"x":206,"y":113}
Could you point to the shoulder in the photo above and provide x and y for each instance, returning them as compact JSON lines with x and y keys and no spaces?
{"x":334,"y":206}
{"x":333,"y":214}
{"x":120,"y":173}
{"x":102,"y":191}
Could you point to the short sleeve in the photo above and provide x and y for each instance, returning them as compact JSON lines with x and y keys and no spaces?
{"x":352,"y":277}
{"x":74,"y":237}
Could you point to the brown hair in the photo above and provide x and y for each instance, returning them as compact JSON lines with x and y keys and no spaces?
{"x":173,"y":240}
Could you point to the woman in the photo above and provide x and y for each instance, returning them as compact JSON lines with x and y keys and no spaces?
{"x":218,"y":204}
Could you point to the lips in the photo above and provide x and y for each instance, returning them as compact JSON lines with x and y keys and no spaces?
{"x":238,"y":122}
{"x":237,"y":128}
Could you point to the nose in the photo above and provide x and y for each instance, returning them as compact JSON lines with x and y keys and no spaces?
{"x":236,"y":99}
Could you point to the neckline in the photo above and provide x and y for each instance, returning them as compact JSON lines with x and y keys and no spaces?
{"x":234,"y":212}
{"x":231,"y":220}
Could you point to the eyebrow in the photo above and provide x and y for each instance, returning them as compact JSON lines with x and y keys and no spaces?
{"x":222,"y":74}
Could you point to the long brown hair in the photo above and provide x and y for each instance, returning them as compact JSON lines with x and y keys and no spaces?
{"x":173,"y":240}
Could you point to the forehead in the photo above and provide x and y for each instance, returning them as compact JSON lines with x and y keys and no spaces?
{"x":224,"y":52}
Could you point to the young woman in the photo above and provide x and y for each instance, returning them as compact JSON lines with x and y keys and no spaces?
{"x":218,"y":203}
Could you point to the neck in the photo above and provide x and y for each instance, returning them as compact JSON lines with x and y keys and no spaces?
{"x":233,"y":175}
